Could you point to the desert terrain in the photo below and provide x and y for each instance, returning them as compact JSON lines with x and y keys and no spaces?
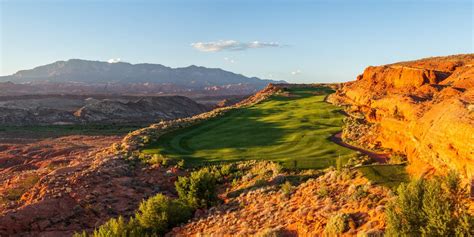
{"x":291,"y":160}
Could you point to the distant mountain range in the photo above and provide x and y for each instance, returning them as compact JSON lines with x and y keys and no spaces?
{"x":82,"y":76}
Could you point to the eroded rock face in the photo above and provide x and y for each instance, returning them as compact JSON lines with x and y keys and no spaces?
{"x":151,"y":109}
{"x":422,"y":108}
{"x":94,"y":111}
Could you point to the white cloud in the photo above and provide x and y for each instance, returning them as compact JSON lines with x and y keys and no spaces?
{"x":295,"y":73}
{"x":113,"y":60}
{"x":232,"y":45}
{"x":229,"y":60}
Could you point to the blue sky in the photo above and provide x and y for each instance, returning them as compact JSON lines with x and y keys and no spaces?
{"x":297,"y":41}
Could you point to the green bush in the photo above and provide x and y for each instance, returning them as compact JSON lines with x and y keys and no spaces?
{"x":435,"y":207}
{"x":336,"y":225}
{"x":159,"y":212}
{"x":119,"y":228}
{"x":154,"y":217}
{"x":199,"y":190}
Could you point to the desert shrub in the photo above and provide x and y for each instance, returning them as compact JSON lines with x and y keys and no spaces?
{"x":435,"y":207}
{"x":266,"y":169}
{"x":155,"y":159}
{"x":119,"y":228}
{"x":360,"y":192}
{"x":322,"y":192}
{"x":159,"y":212}
{"x":336,"y":225}
{"x":287,"y":188}
{"x":180,"y":164}
{"x":154,"y":217}
{"x":227,"y":169}
{"x":199,"y":190}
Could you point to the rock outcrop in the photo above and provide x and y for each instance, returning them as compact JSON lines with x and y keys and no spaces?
{"x":150,"y":109}
{"x":423,"y":108}
{"x":99,"y":111}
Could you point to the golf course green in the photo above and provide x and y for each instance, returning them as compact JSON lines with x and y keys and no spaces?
{"x":293,"y":128}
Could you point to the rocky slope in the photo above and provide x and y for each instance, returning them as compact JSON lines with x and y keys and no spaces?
{"x":58,"y":111}
{"x":150,"y":109}
{"x":254,"y":209}
{"x":57,"y":186}
{"x":422,"y":108}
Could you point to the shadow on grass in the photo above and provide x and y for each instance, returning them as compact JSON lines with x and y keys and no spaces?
{"x":239,"y":129}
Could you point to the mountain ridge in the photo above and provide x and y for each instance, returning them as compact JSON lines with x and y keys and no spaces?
{"x":88,"y":71}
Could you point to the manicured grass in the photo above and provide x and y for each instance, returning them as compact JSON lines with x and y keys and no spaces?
{"x":387,"y":175}
{"x":292,"y":128}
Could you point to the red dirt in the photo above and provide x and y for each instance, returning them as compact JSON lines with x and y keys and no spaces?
{"x":66,"y":184}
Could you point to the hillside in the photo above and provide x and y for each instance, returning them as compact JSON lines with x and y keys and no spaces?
{"x":283,"y":162}
{"x":422,"y":108}
{"x":82,"y":76}
{"x":56,"y":110}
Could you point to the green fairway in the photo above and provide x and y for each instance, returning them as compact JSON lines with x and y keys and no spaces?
{"x":293,"y":128}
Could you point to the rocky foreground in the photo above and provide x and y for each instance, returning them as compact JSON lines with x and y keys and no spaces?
{"x":303,"y":210}
{"x":423,"y":108}
{"x":58,"y":186}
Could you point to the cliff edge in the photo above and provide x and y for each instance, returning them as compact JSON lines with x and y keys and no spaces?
{"x":423,"y":109}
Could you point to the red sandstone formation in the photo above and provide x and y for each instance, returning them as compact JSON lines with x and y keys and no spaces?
{"x":422,"y":108}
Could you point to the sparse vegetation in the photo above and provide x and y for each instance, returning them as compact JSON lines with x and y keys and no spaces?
{"x":154,"y":217}
{"x":430,"y":207}
{"x":354,"y":129}
{"x":336,"y":225}
{"x":25,"y":183}
{"x":360,"y":192}
{"x":322,"y":192}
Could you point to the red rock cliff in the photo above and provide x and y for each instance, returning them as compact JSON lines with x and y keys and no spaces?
{"x":423,"y":108}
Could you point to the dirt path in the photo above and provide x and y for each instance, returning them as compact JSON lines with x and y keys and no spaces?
{"x":379,"y":157}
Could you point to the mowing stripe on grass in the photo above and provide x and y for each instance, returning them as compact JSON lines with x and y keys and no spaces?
{"x":289,"y":127}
